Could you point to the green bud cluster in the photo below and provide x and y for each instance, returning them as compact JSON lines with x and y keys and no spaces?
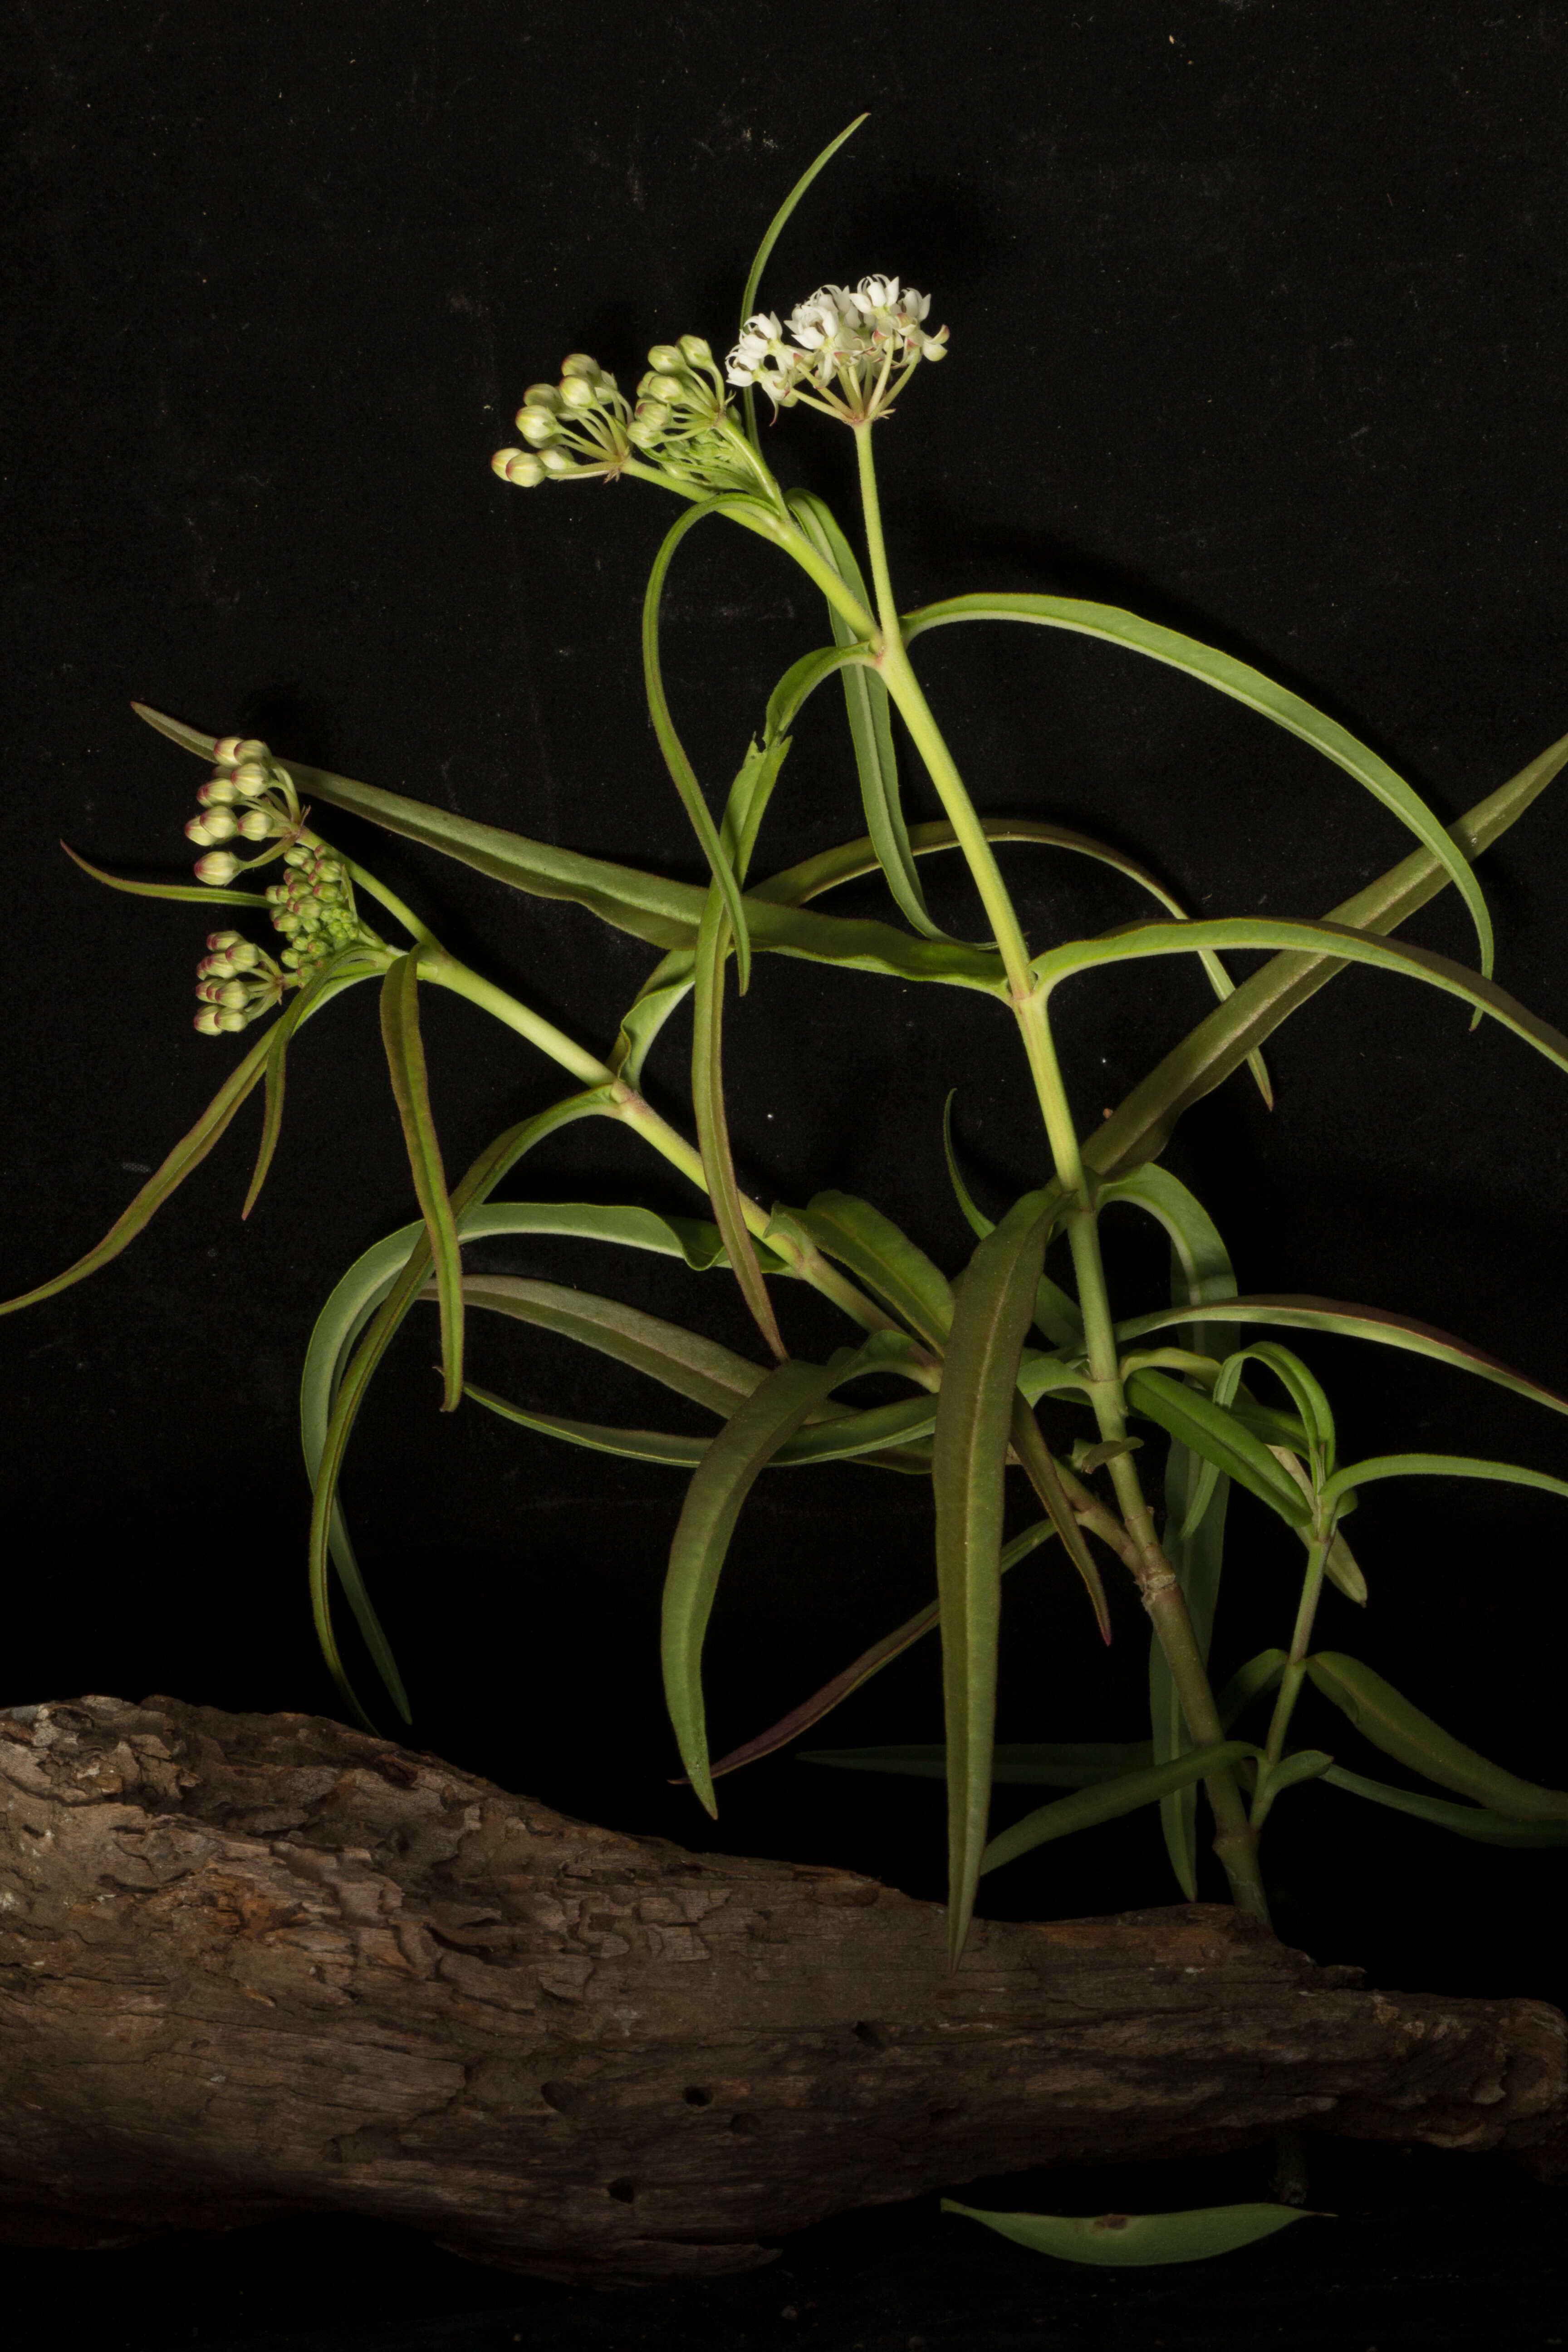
{"x":574,"y":429}
{"x":682,"y":422}
{"x":313,"y":906}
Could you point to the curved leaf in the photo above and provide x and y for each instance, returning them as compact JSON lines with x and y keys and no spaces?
{"x":873,"y":1249}
{"x":975,"y":1411}
{"x":410,"y":1091}
{"x":712,"y":1122}
{"x":850,"y":1436}
{"x":1243,"y":684}
{"x":694,"y":1366}
{"x":1217,"y":1435}
{"x":1467,"y":1820}
{"x":1436,"y":1465}
{"x":192,"y":894}
{"x":1108,"y":1799}
{"x":1124,"y":2240}
{"x":771,"y":235}
{"x":1353,"y":1322}
{"x":725,"y":1477}
{"x":1387,"y":1718}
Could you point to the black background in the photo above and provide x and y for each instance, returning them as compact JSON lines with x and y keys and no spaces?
{"x":1258,"y":328}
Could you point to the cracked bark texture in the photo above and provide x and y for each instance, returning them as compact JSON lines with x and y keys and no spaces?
{"x":252,"y":1965}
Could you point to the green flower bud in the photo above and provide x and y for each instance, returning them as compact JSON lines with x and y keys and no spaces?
{"x":664,"y":357}
{"x":220,"y":942}
{"x":557,"y":462}
{"x":261,"y":824}
{"x":244,"y":956}
{"x":643,"y":435}
{"x":695,"y":350}
{"x":230,"y":1023}
{"x":521,"y":468}
{"x":217,"y":868}
{"x":225,"y":752}
{"x":287,"y":923}
{"x":277,"y":892}
{"x":539,"y":426}
{"x":299,"y":855}
{"x":578,"y":363}
{"x":250,"y":777}
{"x":208,"y":1021}
{"x":541,"y":396}
{"x":579,"y":392}
{"x":665,"y":387}
{"x":653,"y":412}
{"x":217,"y":792}
{"x":251,"y":747}
{"x":197,"y":831}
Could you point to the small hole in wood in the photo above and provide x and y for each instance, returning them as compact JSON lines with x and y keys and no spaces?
{"x":625,"y":2190}
{"x":564,"y":2097}
{"x":875,"y":2037}
{"x":696,"y":2096}
{"x":748,"y":2127}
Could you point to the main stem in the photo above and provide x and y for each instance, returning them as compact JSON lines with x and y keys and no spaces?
{"x":1235,"y":1840}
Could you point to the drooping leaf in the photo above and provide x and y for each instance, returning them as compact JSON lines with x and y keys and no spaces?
{"x":1436,"y":1465}
{"x":1355,"y":1322}
{"x":1387,"y":1718}
{"x":712,"y":1122}
{"x":974,"y":1414}
{"x":871,"y":1662}
{"x":1254,"y":1680}
{"x":410,"y":1091}
{"x":874,"y":1249}
{"x":1108,"y":1799}
{"x":1040,"y":1469}
{"x":1216,"y":1434}
{"x":848,"y":1437}
{"x":1487,"y":1828}
{"x":725,"y":1476}
{"x":694,"y":1366}
{"x":1141,"y":1125}
{"x":1243,"y":684}
{"x":1125,"y":2240}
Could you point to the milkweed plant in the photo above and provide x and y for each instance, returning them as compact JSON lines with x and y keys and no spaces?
{"x":1211,"y":1378}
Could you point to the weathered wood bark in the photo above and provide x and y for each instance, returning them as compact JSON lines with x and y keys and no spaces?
{"x":255,"y":1964}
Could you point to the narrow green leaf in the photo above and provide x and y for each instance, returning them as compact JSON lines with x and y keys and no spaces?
{"x":978,"y":1224}
{"x":691,"y":1364}
{"x":1306,"y":1393}
{"x":1073,"y":1764}
{"x":1467,"y":1820}
{"x":410,"y":1091}
{"x":1124,"y":2241}
{"x":681,"y":772}
{"x":769,"y":239}
{"x":1243,"y":684}
{"x":870,"y":723}
{"x":712,"y":1122}
{"x":1355,"y":1322}
{"x":188,"y":1153}
{"x":719,"y":1485}
{"x":974,"y":1414}
{"x":1141,"y":1125}
{"x":1040,"y":1468}
{"x":748,"y":800}
{"x":848,"y":1437}
{"x":192,"y":894}
{"x":1108,"y":1799}
{"x":658,"y":1445}
{"x":871,"y":1662}
{"x":1305,"y":1764}
{"x":1436,"y":1465}
{"x":1387,"y":1718}
{"x":1210,"y":1430}
{"x":335,"y":1384}
{"x":879,"y":1255}
{"x":189,"y":738}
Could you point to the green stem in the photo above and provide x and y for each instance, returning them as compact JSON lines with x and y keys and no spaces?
{"x":364,"y":880}
{"x":436,"y":963}
{"x":1294,"y":1676}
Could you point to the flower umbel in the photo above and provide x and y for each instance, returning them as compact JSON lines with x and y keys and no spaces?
{"x":852,"y":351}
{"x":249,"y":797}
{"x":680,"y":432}
{"x":575,"y":430}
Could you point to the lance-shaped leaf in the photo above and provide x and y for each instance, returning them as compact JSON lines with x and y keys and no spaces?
{"x":771,"y":235}
{"x":712,"y":1123}
{"x":1128,"y":2240}
{"x":1487,"y":1828}
{"x":171,"y":1173}
{"x":870,"y":724}
{"x":1108,"y":1799}
{"x":1141,"y":1125}
{"x":410,"y":1091}
{"x":1436,"y":1465}
{"x":884,"y":1259}
{"x":724,"y":1479}
{"x":848,"y":1437}
{"x":871,"y":1662}
{"x":192,"y":894}
{"x":975,"y":1412}
{"x":1253,"y":1681}
{"x":1069,"y":1764}
{"x":689,"y":1363}
{"x":1243,"y":684}
{"x":1209,"y":1430}
{"x":1352,"y":1322}
{"x":342,"y":1392}
{"x":682,"y":773}
{"x":1387,"y":1718}
{"x":1040,"y":1469}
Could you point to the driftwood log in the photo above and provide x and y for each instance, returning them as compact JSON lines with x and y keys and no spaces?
{"x":253,"y":1965}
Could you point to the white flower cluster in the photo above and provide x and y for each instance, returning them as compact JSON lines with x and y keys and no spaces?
{"x":249,"y":797}
{"x":851,"y":350}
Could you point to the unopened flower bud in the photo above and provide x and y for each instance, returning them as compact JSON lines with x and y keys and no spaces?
{"x":197,"y":831}
{"x":299,"y":855}
{"x":521,"y":468}
{"x":653,"y":414}
{"x":539,"y":426}
{"x":578,"y":363}
{"x":665,"y":387}
{"x":217,"y":868}
{"x":251,"y":747}
{"x":250,"y":777}
{"x":221,"y":941}
{"x":230,"y":1023}
{"x":695,"y":350}
{"x":557,"y":462}
{"x":207,"y":1022}
{"x":226,"y":750}
{"x":579,"y":392}
{"x":261,"y":825}
{"x":217,"y":792}
{"x":217,"y":824}
{"x":542,"y":395}
{"x":663,"y":357}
